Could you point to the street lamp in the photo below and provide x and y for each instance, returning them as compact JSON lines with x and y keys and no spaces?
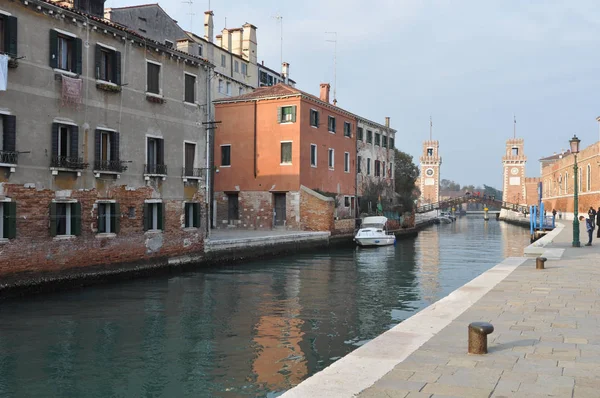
{"x":574,"y":142}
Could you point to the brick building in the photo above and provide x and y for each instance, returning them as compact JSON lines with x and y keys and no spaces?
{"x":274,"y":141}
{"x":101,"y":157}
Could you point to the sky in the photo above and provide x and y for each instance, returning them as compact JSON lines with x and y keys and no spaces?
{"x":469,"y":64}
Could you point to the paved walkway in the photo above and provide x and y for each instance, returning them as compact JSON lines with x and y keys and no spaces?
{"x":546,"y":341}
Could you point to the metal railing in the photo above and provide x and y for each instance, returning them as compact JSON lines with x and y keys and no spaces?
{"x":192,"y":172}
{"x":9,"y":157}
{"x":488,"y":200}
{"x":68,"y":163}
{"x":110,"y":165}
{"x":160,"y":169}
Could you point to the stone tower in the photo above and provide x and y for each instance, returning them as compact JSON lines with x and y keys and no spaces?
{"x":514,"y":161}
{"x":430,"y":172}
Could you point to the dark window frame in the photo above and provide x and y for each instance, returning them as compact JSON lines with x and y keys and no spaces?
{"x":152,"y":86}
{"x":189,"y":88}
{"x":226,"y":155}
{"x":286,"y":154}
{"x":331,"y":124}
{"x":313,"y":162}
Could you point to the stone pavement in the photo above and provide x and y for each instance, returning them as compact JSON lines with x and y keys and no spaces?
{"x":546,"y":341}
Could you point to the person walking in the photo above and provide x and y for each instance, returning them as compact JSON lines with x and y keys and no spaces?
{"x":590,"y":230}
{"x":592,"y":217}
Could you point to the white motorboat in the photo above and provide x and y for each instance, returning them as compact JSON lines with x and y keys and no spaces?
{"x":444,"y":220}
{"x":373,"y":232}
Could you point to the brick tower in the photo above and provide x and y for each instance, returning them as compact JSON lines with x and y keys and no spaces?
{"x":430,"y":172}
{"x":514,"y":161}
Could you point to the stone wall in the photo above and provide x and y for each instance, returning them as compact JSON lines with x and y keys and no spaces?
{"x":316,"y":211}
{"x":255,"y":210}
{"x":343,"y":227}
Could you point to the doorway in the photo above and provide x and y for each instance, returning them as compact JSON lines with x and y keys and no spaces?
{"x":233,"y":208}
{"x":280,"y":211}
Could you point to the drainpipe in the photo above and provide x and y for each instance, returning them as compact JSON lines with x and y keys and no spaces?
{"x":356,"y":173}
{"x":208,"y":169}
{"x":255,"y":113}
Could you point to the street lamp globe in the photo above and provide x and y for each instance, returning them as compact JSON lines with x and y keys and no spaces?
{"x":574,"y":142}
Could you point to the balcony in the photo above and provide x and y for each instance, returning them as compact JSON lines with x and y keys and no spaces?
{"x":109,"y":167}
{"x":9,"y":159}
{"x":190,"y":173}
{"x":64,"y":163}
{"x":155,"y":170}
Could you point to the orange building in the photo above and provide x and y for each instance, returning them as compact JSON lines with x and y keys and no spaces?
{"x":273,"y":141}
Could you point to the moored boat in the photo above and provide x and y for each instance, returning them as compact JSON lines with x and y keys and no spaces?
{"x":373,"y":232}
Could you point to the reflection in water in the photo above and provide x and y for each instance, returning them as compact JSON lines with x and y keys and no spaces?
{"x":251,"y":330}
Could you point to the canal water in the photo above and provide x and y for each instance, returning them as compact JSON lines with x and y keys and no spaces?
{"x":253,"y":330}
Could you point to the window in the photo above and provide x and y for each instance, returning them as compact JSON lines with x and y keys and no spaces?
{"x":359,"y":133}
{"x":109,"y":217}
{"x":347,"y":201}
{"x":263,"y":79}
{"x":244,"y":69}
{"x":331,"y":158}
{"x":369,"y":137}
{"x":228,"y":88}
{"x":377,"y":139}
{"x":286,"y":153}
{"x":200,"y":50}
{"x":108,"y":64}
{"x":154,"y":216}
{"x":392,"y":143}
{"x":221,"y":86}
{"x":358,"y":164}
{"x":347,"y":129}
{"x":8,"y":220}
{"x":65,"y":218}
{"x":65,"y":52}
{"x":269,"y":80}
{"x":169,"y":43}
{"x":190,"y":88}
{"x":189,"y":158}
{"x":286,"y":114}
{"x":240,"y":91}
{"x":153,"y":84}
{"x":65,"y":146}
{"x":314,"y":118}
{"x":383,"y":169}
{"x":331,"y":124}
{"x":429,"y":151}
{"x":313,"y":155}
{"x":384,"y":141}
{"x":515,"y":151}
{"x":566,"y":183}
{"x":8,"y":34}
{"x":155,"y":156}
{"x":236,"y":66}
{"x":377,"y":168}
{"x":346,"y":162}
{"x":226,"y":155}
{"x":192,"y":214}
{"x":106,"y":156}
{"x":368,"y":166}
{"x":589,"y":178}
{"x":8,"y":132}
{"x":223,"y":61}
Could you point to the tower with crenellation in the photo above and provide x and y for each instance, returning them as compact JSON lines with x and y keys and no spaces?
{"x":430,"y":172}
{"x":513,"y":177}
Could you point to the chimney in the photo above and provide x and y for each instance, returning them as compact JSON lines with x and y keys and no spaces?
{"x":226,"y":39}
{"x":324,"y":96}
{"x":208,"y":26}
{"x":249,"y":43}
{"x":387,"y":121}
{"x":236,"y":41}
{"x":285,"y":72}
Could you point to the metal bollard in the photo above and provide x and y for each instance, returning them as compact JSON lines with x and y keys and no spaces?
{"x":478,"y":332}
{"x":539,"y":262}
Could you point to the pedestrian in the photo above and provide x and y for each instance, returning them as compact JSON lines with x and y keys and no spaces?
{"x":554,"y":213}
{"x":598,"y":221}
{"x":589,"y":228}
{"x":592,"y":216}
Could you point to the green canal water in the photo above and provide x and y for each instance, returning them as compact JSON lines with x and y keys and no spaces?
{"x":256,"y":329}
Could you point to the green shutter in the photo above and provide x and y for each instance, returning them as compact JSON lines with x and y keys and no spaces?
{"x":147,"y":216}
{"x":293,"y":113}
{"x":161,"y":216}
{"x":98,"y":60}
{"x":186,"y":209}
{"x":278,"y":114}
{"x":10,"y":35}
{"x":52,"y":219}
{"x":117,"y":68}
{"x":101,"y":219}
{"x":115,"y":213}
{"x":53,"y":50}
{"x":197,"y":215}
{"x":78,"y":56}
{"x":10,"y":220}
{"x":76,"y":218}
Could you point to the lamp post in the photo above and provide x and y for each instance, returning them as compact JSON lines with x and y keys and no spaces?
{"x":574,"y":142}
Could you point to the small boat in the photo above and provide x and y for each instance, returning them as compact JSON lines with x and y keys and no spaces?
{"x":444,"y":220}
{"x":448,"y":215}
{"x":373,"y":232}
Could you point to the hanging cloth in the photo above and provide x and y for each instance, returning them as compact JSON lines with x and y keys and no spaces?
{"x":71,"y":91}
{"x":3,"y":72}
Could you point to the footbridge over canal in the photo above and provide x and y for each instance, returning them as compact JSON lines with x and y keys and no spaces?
{"x":488,"y":201}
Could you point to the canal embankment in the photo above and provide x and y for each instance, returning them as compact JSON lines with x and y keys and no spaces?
{"x":545,"y":341}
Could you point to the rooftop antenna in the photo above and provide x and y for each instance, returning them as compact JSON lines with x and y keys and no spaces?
{"x":514,"y":127}
{"x":334,"y":41}
{"x":430,"y":128}
{"x":279,"y":18}
{"x":191,"y":13}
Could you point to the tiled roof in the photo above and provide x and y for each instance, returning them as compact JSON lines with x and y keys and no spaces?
{"x":556,"y":156}
{"x":279,"y":90}
{"x":135,"y":6}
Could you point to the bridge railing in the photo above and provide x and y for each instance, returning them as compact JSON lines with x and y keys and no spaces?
{"x":469,"y":198}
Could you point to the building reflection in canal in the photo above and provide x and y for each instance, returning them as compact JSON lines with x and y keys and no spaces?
{"x":250,"y":330}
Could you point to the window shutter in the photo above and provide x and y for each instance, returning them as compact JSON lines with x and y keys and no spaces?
{"x":9,"y":123}
{"x":318,"y":118}
{"x":147,"y":216}
{"x":278,"y":114}
{"x":161,"y":216}
{"x":55,"y":139}
{"x":52,"y":219}
{"x":97,"y":135}
{"x":115,"y":214}
{"x":196,"y":211}
{"x":98,"y":59}
{"x":102,"y":219}
{"x":10,"y":35}
{"x":76,"y":218}
{"x":53,"y":50}
{"x":117,"y":68}
{"x":74,"y":142}
{"x":114,"y":146}
{"x":78,"y":56}
{"x":10,"y":220}
{"x":293,"y":113}
{"x":161,"y":152}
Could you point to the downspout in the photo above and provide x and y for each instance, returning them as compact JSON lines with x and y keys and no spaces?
{"x":208,"y":168}
{"x":356,"y":174}
{"x":255,"y":113}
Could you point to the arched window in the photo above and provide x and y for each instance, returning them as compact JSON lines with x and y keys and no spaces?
{"x":589,"y":178}
{"x":559,"y":184}
{"x":566,"y":183}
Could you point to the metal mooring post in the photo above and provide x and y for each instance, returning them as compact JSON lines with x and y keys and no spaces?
{"x":478,"y":332}
{"x":539,"y":262}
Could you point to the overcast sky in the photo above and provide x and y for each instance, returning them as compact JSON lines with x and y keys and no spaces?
{"x":471,"y":65}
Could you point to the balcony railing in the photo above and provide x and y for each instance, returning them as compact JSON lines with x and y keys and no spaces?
{"x":68,"y":163}
{"x":9,"y":157}
{"x":117,"y":166}
{"x":160,"y":169}
{"x":192,"y":172}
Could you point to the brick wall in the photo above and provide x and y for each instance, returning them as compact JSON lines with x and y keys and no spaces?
{"x":35,"y":251}
{"x":343,"y":227}
{"x":255,"y":210}
{"x":316,"y":211}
